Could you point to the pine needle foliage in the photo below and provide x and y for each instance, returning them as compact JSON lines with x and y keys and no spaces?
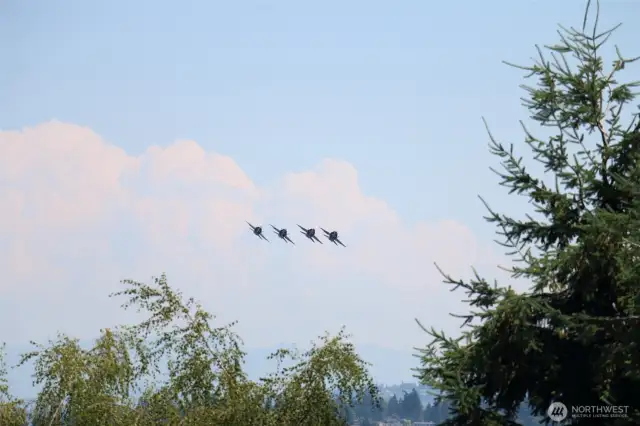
{"x":574,"y":337}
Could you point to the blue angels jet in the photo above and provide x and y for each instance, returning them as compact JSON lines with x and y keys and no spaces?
{"x":257,"y":231}
{"x":310,"y":234}
{"x":282,"y":233}
{"x":333,"y":237}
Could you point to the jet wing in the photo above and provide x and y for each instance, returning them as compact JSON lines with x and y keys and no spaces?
{"x":316,"y":239}
{"x":289,"y":239}
{"x":305,"y":231}
{"x":250,"y":225}
{"x":275,"y":229}
{"x":325,"y":231}
{"x":264,"y":238}
{"x":340,"y":242}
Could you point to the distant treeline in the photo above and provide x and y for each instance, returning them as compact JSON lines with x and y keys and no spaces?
{"x":409,"y":406}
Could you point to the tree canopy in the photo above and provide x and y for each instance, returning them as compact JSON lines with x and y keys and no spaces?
{"x":573,"y":337}
{"x":176,"y":368}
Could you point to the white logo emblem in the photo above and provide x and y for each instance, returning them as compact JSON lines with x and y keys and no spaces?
{"x":557,"y":411}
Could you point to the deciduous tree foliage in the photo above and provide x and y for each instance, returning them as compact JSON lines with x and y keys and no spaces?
{"x":574,"y":336}
{"x":118,"y":381}
{"x":12,"y":411}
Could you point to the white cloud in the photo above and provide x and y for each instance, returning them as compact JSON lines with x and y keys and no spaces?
{"x":79,"y":214}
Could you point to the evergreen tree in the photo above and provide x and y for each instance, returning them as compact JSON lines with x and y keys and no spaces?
{"x":393,"y":407}
{"x":411,"y":406}
{"x":436,"y":413}
{"x":369,"y":408}
{"x":574,"y":336}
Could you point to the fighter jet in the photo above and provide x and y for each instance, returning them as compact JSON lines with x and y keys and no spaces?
{"x":257,"y":231}
{"x":282,"y":233}
{"x":333,"y":237}
{"x":310,"y":234}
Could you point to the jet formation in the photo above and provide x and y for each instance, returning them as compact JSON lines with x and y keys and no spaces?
{"x":310,"y":233}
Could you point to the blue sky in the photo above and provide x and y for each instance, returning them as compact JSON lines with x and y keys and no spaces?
{"x":395,"y":89}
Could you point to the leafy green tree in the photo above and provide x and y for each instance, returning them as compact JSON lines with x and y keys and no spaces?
{"x":320,"y":383}
{"x":12,"y":411}
{"x":86,"y":386}
{"x":205,"y":383}
{"x":574,"y":336}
